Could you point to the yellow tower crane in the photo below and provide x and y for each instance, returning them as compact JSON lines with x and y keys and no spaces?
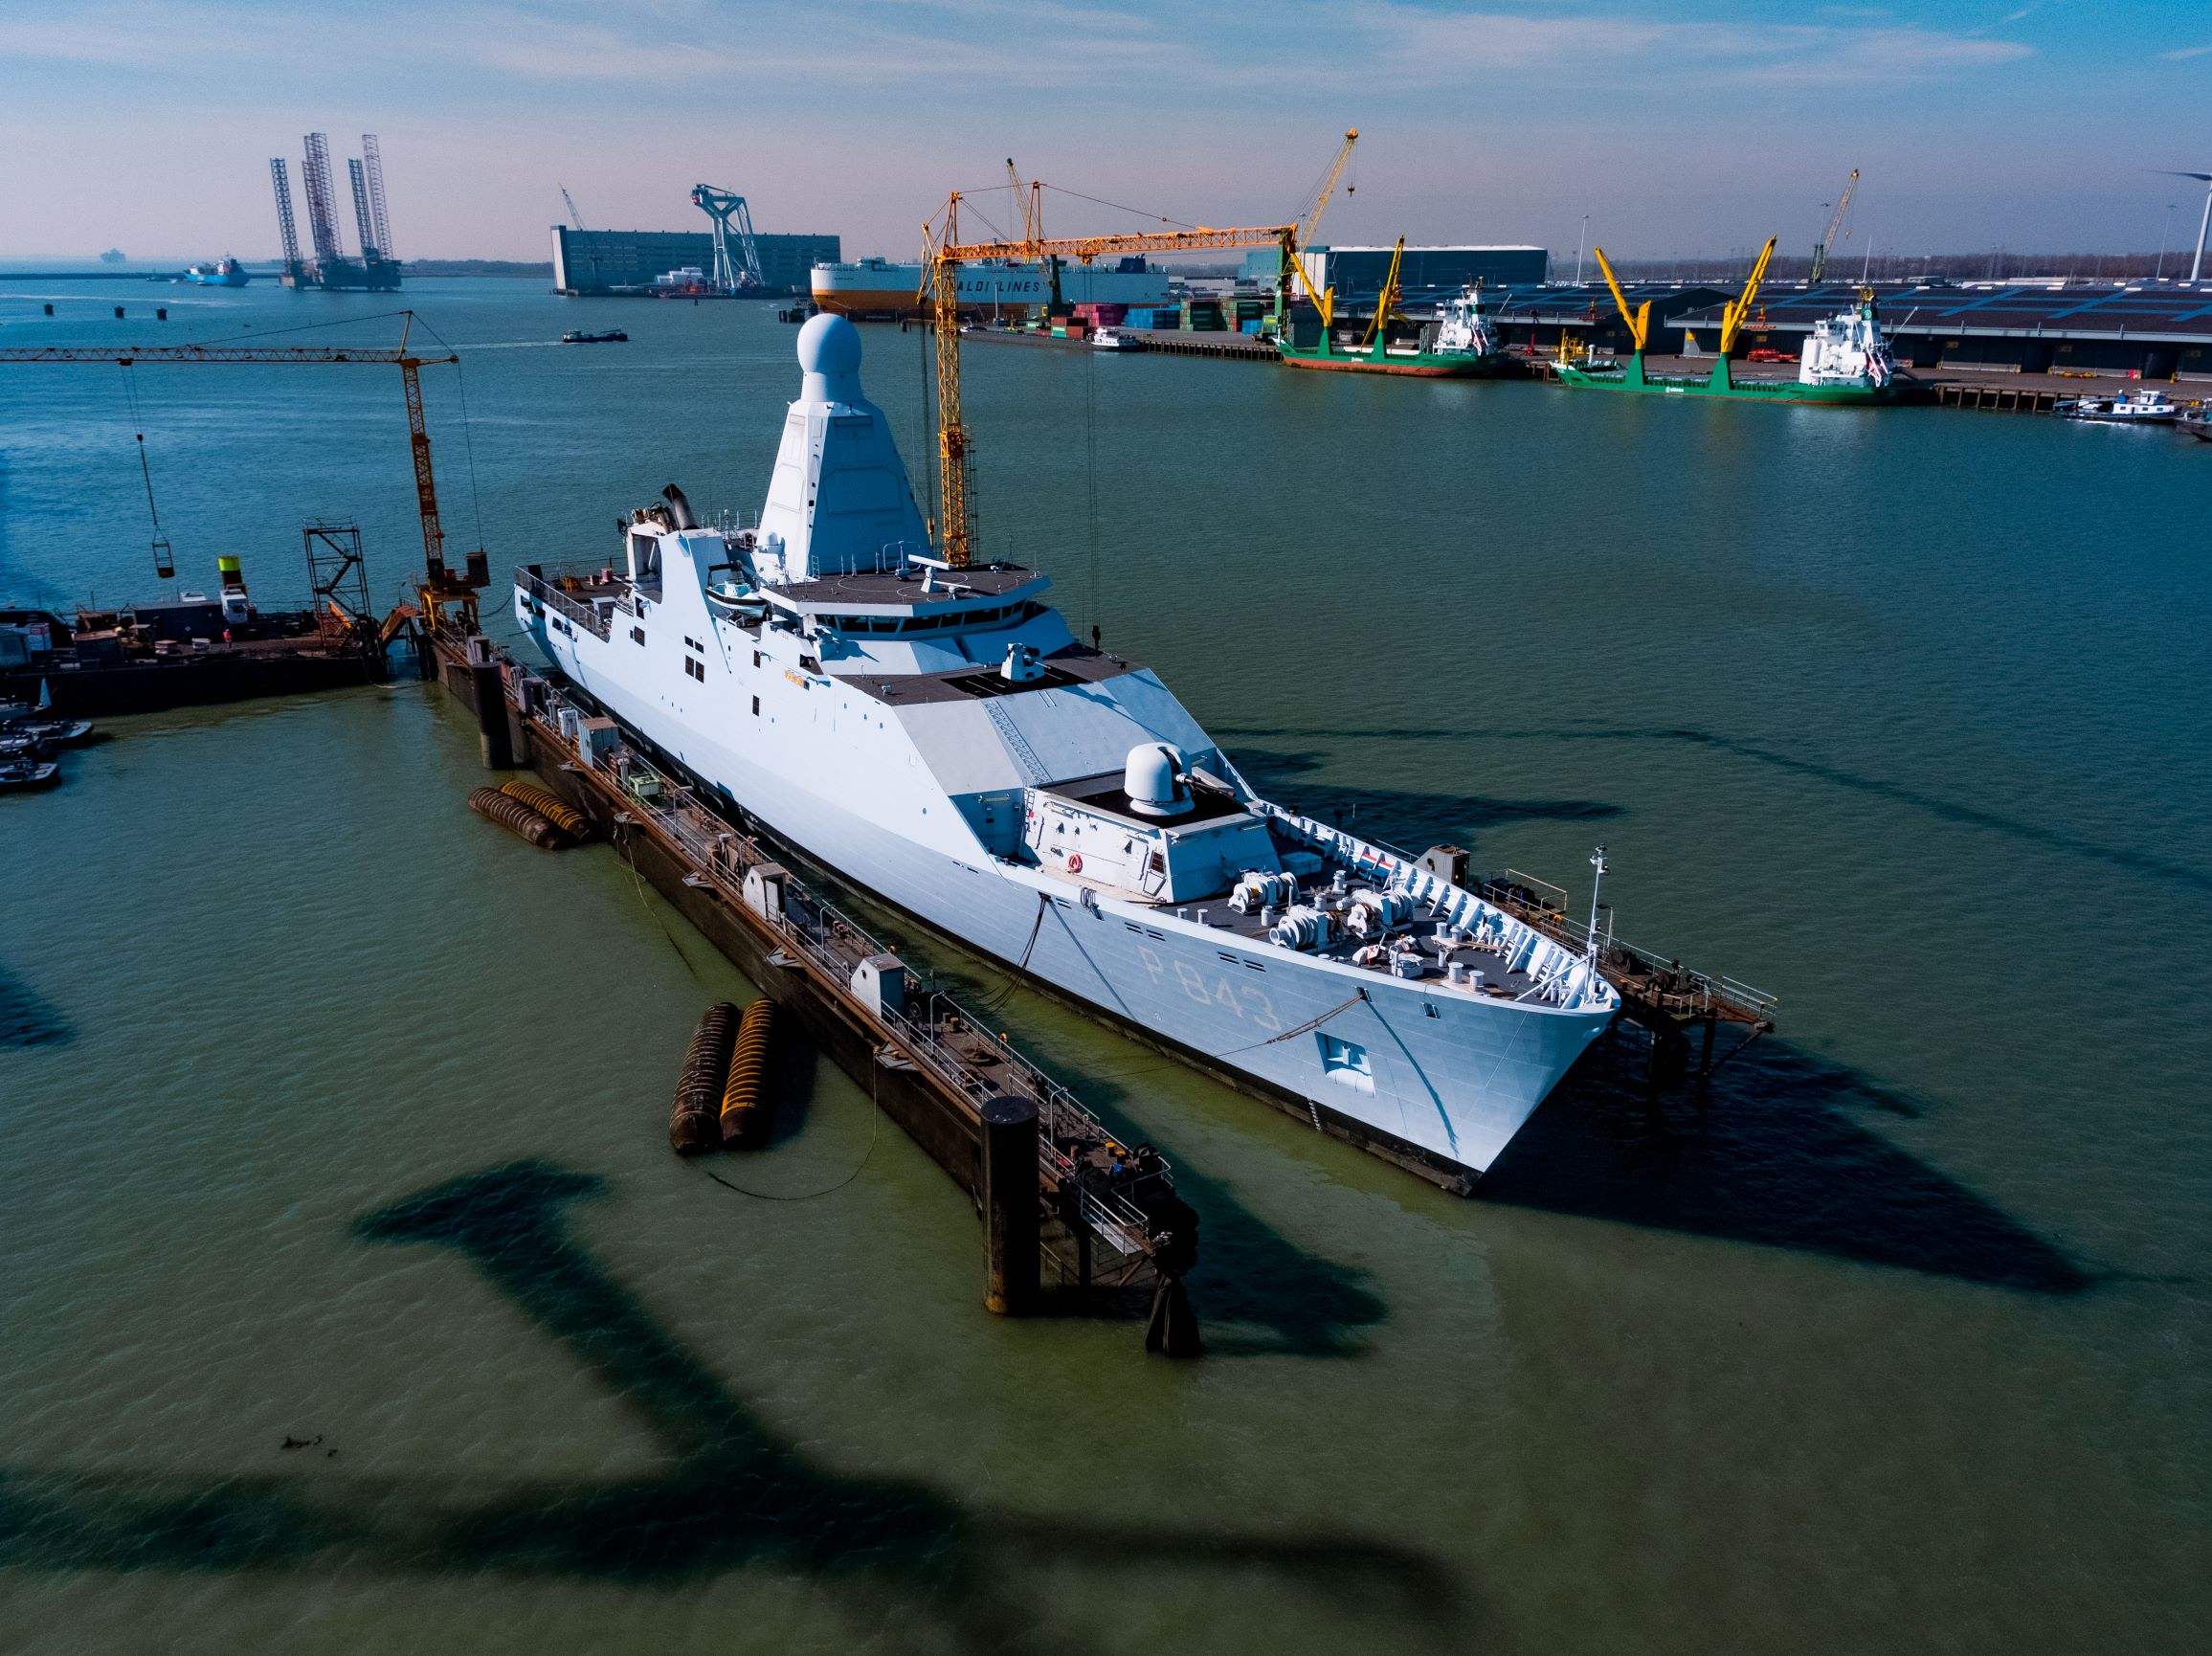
{"x":943,"y":252}
{"x":439,"y":587}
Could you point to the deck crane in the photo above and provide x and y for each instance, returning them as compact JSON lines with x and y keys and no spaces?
{"x":1639,"y":321}
{"x":1823,"y":247}
{"x":573,"y":214}
{"x":1732,"y":316}
{"x":439,"y":585}
{"x":943,"y":252}
{"x":1386,"y":307}
{"x":730,"y":214}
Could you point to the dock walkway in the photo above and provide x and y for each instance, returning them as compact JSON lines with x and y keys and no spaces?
{"x":927,"y":1060}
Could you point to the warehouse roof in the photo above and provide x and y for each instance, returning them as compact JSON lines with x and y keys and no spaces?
{"x":2139,"y":311}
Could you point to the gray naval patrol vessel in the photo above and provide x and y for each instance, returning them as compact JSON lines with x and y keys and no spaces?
{"x":937,"y":737}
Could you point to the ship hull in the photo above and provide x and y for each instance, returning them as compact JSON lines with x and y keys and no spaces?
{"x":892,"y":292}
{"x":1424,"y":365}
{"x":1634,"y":382}
{"x":1452,"y":1077}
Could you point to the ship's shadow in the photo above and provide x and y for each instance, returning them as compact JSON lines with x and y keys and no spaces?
{"x":1410,"y":819}
{"x":27,"y":1018}
{"x":1764,"y":1152}
{"x":732,"y":1494}
{"x":1767,"y":1152}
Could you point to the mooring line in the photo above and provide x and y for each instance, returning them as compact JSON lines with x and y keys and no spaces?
{"x":875,"y":1131}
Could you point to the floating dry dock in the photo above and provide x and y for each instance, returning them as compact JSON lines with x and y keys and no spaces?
{"x":1103,"y":1215}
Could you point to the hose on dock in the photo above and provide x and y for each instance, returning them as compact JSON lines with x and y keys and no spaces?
{"x":516,"y":818}
{"x":550,"y":806}
{"x":691,"y":1124}
{"x":744,"y":1106}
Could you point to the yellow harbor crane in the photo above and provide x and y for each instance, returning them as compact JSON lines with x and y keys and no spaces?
{"x":943,"y":252}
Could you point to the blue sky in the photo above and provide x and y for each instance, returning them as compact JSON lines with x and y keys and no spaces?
{"x":1679,"y":126}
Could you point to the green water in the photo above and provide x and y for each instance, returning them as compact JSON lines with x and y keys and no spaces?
{"x":328,"y":1112}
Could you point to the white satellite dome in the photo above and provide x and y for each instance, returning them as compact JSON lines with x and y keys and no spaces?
{"x":829,"y":348}
{"x":1152,"y":779}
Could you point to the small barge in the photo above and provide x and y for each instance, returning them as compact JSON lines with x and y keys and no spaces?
{"x":184,"y":652}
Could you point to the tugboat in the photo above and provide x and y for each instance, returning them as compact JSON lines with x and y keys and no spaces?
{"x":932,"y":731}
{"x":2144,"y":406}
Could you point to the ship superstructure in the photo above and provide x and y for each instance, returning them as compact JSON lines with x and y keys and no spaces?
{"x":938,"y":737}
{"x":1847,"y":350}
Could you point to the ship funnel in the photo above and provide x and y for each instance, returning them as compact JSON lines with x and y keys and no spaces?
{"x":679,"y":508}
{"x":1154,"y":782}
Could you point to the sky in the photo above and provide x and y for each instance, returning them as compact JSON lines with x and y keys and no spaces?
{"x":1679,"y":127}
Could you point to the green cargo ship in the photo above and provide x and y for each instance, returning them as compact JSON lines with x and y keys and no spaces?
{"x":1846,"y":360}
{"x":1465,"y":346}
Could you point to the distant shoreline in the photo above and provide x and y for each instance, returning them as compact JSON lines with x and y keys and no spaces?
{"x":269,"y":273}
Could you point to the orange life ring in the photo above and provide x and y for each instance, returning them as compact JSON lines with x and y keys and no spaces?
{"x":1075,"y":862}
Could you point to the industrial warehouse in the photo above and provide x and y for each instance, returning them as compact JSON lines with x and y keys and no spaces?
{"x":588,"y":263}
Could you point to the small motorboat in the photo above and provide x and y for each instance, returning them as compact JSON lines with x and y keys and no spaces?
{"x":48,"y":732}
{"x":613,"y":336}
{"x":23,"y":774}
{"x":735,"y":598}
{"x":2141,"y":407}
{"x":1110,"y":338}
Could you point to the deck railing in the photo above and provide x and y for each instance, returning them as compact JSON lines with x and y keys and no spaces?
{"x":585,"y":616}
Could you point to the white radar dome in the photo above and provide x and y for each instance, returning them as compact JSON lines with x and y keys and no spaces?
{"x":1154,"y":782}
{"x":830,"y":357}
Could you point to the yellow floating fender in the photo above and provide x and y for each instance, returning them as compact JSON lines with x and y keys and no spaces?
{"x":516,"y":818}
{"x":691,"y":1122}
{"x":549,"y":805}
{"x":744,"y":1105}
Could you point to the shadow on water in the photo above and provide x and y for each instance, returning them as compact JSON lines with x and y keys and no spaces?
{"x":27,"y":1018}
{"x":1256,"y":1293}
{"x":733,"y":1495}
{"x":1928,"y":804}
{"x":1765,"y":1156}
{"x":1410,"y":819}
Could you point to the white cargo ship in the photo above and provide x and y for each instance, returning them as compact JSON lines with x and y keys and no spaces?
{"x":936,"y":736}
{"x":877,"y":288}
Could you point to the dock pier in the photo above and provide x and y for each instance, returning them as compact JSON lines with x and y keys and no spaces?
{"x":1104,"y":1216}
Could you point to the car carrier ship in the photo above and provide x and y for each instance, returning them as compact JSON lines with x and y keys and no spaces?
{"x":877,"y":289}
{"x":936,"y":736}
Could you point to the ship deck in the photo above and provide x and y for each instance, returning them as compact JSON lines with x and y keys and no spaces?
{"x":1497,"y":981}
